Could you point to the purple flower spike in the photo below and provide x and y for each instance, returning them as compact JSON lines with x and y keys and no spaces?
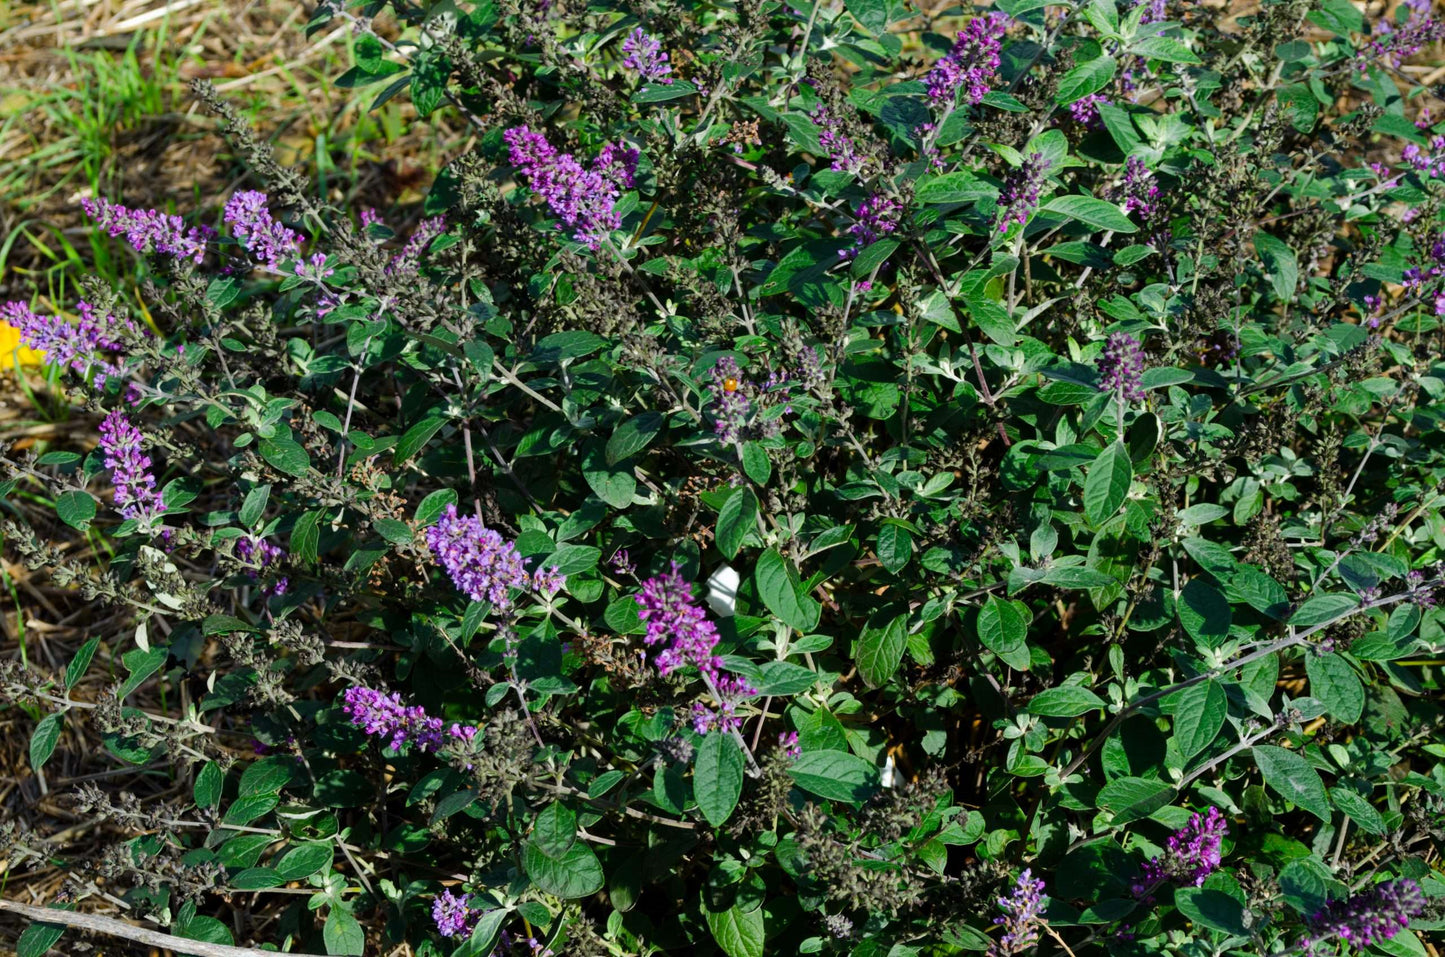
{"x":843,"y":154}
{"x":407,"y":260}
{"x":584,"y":199}
{"x":877,"y":216}
{"x":251,"y":222}
{"x":645,"y":55}
{"x":384,"y":716}
{"x":1368,"y":917}
{"x":1019,"y":196}
{"x":148,"y":229}
{"x":1191,"y":854}
{"x":972,"y":65}
{"x":262,"y":554}
{"x":1022,"y":918}
{"x":136,"y":495}
{"x":78,"y":346}
{"x":483,"y":565}
{"x":453,"y":915}
{"x":730,"y":692}
{"x":1121,"y":366}
{"x":667,"y":607}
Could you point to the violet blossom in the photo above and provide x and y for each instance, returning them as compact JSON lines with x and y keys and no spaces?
{"x":1375,"y":914}
{"x":788,"y":742}
{"x":1022,"y":918}
{"x":122,"y":448}
{"x":584,"y":199}
{"x":730,"y":692}
{"x":262,"y":554}
{"x":79,"y":346}
{"x":972,"y":65}
{"x":842,"y":153}
{"x":407,"y":260}
{"x":1121,"y":366}
{"x":1086,"y":111}
{"x":453,"y":914}
{"x":1019,"y":196}
{"x":384,"y":716}
{"x":149,"y":229}
{"x":482,"y":564}
{"x":1191,"y":854}
{"x":645,"y":55}
{"x":263,"y":236}
{"x":1393,"y":47}
{"x":1140,"y":189}
{"x":876,"y":217}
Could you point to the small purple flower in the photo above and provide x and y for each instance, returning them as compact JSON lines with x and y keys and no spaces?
{"x":842,"y":152}
{"x":548,"y":581}
{"x":384,"y":716}
{"x":876,"y":217}
{"x":1393,"y":47}
{"x":121,"y":445}
{"x":406,"y":261}
{"x":149,"y":229}
{"x":622,"y":562}
{"x":584,"y":199}
{"x":1086,"y":111}
{"x":80,"y":346}
{"x":1420,"y":594}
{"x":788,"y":741}
{"x":263,"y":237}
{"x":1023,"y":916}
{"x":1192,"y":853}
{"x":972,"y":65}
{"x":1373,"y":915}
{"x":1158,"y":10}
{"x":645,"y":55}
{"x":730,"y":692}
{"x":733,"y":405}
{"x":667,"y":608}
{"x":263,"y":554}
{"x":1121,"y":366}
{"x":483,"y":565}
{"x":453,"y":915}
{"x":1019,"y":196}
{"x":314,"y":268}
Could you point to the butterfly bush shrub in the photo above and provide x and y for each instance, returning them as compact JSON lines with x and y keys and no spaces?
{"x":838,"y":478}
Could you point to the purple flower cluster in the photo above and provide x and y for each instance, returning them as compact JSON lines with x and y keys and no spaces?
{"x":1368,"y":917}
{"x":584,"y":199}
{"x":1023,"y":916}
{"x":788,"y":742}
{"x":1420,"y":594}
{"x":79,"y":345}
{"x":136,"y":495}
{"x":453,"y":915}
{"x":731,"y":392}
{"x":972,"y":65}
{"x":1140,"y":189}
{"x":1192,"y":853}
{"x":1429,"y":162}
{"x":263,"y":554}
{"x":667,"y":608}
{"x":1019,"y":196}
{"x":1393,"y":47}
{"x":386,"y":717}
{"x":1086,"y":111}
{"x":407,"y":259}
{"x":149,"y":229}
{"x":264,"y":238}
{"x":730,"y":691}
{"x":876,"y":217}
{"x":842,"y":152}
{"x":483,"y":565}
{"x":1158,"y":10}
{"x":1121,"y":366}
{"x":645,"y":56}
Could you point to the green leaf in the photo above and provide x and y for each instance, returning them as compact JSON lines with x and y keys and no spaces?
{"x":739,"y":933}
{"x":255,"y":879}
{"x":306,"y":537}
{"x":614,"y":484}
{"x":1076,"y":576}
{"x":1213,"y":909}
{"x":286,"y":455}
{"x":433,"y":505}
{"x":301,"y":862}
{"x":39,"y":937}
{"x":78,"y":665}
{"x":875,"y":255}
{"x":1359,"y":810}
{"x":396,"y":532}
{"x":1129,"y":798}
{"x":991,"y":318}
{"x":207,"y":790}
{"x":44,"y":739}
{"x":343,"y":934}
{"x":1065,"y":701}
{"x":1084,"y":79}
{"x":1321,"y":609}
{"x":1334,"y":682}
{"x":1003,"y":629}
{"x":1107,"y":484}
{"x":1283,"y":267}
{"x":1293,"y":778}
{"x":1204,"y":613}
{"x":1091,"y":212}
{"x":577,"y":873}
{"x":738,"y":516}
{"x":415,"y":438}
{"x":267,"y":776}
{"x":959,"y":187}
{"x":835,"y":775}
{"x":1199,"y":714}
{"x":254,"y":505}
{"x":247,"y":809}
{"x":756,"y":463}
{"x":555,"y":830}
{"x":75,"y":508}
{"x":142,"y":664}
{"x":880,"y":648}
{"x":895,"y":547}
{"x":633,"y":436}
{"x":780,"y":591}
{"x":662,"y":92}
{"x":717,"y":777}
{"x":1263,"y":593}
{"x":1163,"y":48}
